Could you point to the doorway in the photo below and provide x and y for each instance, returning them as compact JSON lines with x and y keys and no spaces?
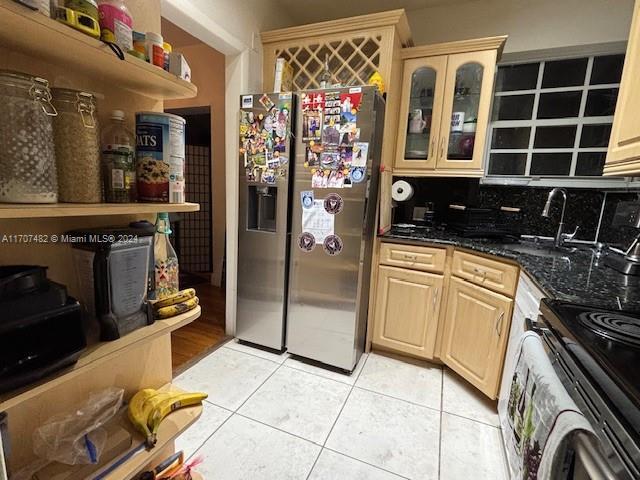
{"x":199,"y":236}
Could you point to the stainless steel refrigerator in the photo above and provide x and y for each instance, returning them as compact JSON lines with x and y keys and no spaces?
{"x":264,"y":226}
{"x":339,"y":135}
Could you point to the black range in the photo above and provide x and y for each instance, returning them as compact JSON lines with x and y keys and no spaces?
{"x":596,"y":352}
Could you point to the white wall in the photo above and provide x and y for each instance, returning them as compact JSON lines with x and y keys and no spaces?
{"x":530,"y":24}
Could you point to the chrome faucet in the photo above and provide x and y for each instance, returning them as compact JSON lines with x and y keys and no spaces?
{"x":560,"y":237}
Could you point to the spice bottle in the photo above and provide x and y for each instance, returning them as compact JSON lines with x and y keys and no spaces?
{"x":155,"y":49}
{"x":118,"y":163}
{"x":166,"y":260}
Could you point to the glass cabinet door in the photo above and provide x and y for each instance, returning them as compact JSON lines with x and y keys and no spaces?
{"x":464,"y":111}
{"x":468,"y":97}
{"x":421,"y":111}
{"x":420,"y":114}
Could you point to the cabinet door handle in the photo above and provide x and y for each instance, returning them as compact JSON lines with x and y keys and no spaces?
{"x":410,"y":257}
{"x":441,"y":147}
{"x":479,"y":271}
{"x":432,"y":147}
{"x":499,"y":324}
{"x":435,"y":301}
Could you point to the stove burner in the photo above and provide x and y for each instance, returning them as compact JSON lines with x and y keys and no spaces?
{"x":612,"y":326}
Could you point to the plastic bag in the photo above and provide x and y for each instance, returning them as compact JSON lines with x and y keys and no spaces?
{"x":77,"y":437}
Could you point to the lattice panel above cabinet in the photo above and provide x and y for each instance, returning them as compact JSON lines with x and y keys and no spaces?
{"x":352,"y":61}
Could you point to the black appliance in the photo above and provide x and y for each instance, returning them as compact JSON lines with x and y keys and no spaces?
{"x":474,"y":222}
{"x":41,"y":328}
{"x":113,"y":265}
{"x":596,"y":353}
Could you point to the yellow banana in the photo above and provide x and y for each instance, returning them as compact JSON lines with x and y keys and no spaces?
{"x":181,"y":296}
{"x":167,"y":406}
{"x":147,"y":407}
{"x":177,"y":309}
{"x":137,"y":416}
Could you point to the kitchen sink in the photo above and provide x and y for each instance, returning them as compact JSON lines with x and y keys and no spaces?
{"x":545,"y":248}
{"x":540,"y":250}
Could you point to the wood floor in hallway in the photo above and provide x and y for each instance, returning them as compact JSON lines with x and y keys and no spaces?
{"x":194,"y":340}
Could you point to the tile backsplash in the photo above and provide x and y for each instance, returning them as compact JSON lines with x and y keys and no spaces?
{"x":591,"y":210}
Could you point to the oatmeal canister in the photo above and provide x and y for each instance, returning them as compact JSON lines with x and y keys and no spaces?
{"x":160,"y":157}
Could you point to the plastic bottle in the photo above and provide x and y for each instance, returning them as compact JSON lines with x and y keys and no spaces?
{"x":166,"y":260}
{"x":167,"y":48}
{"x":155,"y":51}
{"x":325,"y":76}
{"x":118,"y":161}
{"x":116,"y":23}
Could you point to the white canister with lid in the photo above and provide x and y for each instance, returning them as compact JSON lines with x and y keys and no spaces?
{"x":155,"y":49}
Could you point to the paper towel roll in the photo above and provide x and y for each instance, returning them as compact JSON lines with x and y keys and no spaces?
{"x":401,"y":191}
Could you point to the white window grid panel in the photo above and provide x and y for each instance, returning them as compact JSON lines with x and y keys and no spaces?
{"x":535,"y":122}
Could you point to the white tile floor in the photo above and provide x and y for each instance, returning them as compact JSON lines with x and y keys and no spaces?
{"x":275,"y":417}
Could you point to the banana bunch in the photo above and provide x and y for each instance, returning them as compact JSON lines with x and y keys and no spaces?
{"x":175,"y":304}
{"x":149,"y":407}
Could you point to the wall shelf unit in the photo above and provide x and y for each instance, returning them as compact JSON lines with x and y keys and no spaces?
{"x":98,"y":354}
{"x":20,"y":210}
{"x":32,"y":33}
{"x":32,"y":42}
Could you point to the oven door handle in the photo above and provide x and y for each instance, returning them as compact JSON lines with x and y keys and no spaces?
{"x":590,"y":457}
{"x":534,"y":326}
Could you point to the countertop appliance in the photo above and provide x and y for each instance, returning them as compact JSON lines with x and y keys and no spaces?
{"x":41,"y":329}
{"x":112,"y":267}
{"x":596,"y":353}
{"x":475,"y":222}
{"x":266,"y":157}
{"x":334,"y":205}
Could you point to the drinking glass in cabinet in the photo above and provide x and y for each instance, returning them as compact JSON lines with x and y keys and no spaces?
{"x":423,"y":84}
{"x":464,"y":114}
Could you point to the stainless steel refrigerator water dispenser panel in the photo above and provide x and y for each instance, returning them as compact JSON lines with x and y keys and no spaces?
{"x":264,"y":227}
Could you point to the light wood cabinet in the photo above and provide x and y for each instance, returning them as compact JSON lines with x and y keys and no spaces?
{"x":623,"y":157}
{"x":444,"y":110}
{"x":483,"y":271}
{"x":356,"y":48}
{"x":428,"y":259}
{"x":475,"y":334}
{"x":407,"y":310}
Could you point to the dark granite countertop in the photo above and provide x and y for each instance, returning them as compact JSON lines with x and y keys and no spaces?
{"x":578,"y":277}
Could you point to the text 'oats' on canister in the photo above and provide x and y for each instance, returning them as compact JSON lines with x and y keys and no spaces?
{"x":160,"y":154}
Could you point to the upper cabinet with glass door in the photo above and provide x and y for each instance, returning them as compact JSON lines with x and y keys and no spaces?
{"x":423,"y":90}
{"x":446,"y":95}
